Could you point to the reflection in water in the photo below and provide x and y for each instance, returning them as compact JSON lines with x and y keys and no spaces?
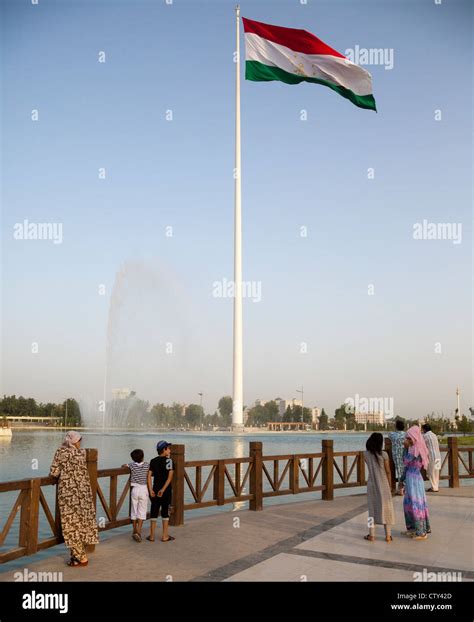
{"x":115,"y":447}
{"x":239,"y":446}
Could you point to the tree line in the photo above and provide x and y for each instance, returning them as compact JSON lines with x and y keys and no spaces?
{"x":141,"y":413}
{"x":68,"y":411}
{"x":344,"y":419}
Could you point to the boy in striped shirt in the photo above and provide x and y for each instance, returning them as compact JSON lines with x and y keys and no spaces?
{"x":138,"y":482}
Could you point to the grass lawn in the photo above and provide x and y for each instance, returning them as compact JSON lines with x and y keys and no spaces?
{"x":462,"y":440}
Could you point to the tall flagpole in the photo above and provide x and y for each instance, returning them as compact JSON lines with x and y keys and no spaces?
{"x":237,"y":415}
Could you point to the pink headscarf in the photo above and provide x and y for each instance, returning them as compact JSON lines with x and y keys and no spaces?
{"x":71,"y":437}
{"x":419,"y":447}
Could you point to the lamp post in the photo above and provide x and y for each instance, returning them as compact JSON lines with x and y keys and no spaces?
{"x":302,"y":401}
{"x":200,"y":404}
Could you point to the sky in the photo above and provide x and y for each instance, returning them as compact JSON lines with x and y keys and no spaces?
{"x":133,"y":159}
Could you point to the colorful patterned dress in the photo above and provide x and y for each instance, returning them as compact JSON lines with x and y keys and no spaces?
{"x":397,"y":439}
{"x":76,"y":508}
{"x":414,"y":500}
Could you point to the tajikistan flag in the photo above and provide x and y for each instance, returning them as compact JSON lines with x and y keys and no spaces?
{"x":292,"y":56}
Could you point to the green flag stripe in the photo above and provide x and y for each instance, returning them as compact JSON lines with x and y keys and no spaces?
{"x":259,"y":72}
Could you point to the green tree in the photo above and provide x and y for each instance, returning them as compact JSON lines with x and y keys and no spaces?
{"x":71,"y":413}
{"x":296,"y":414}
{"x":350,"y":417}
{"x":258,"y":416}
{"x":175,"y":415}
{"x":464,"y":425}
{"x":437,"y":424}
{"x":272,"y":411}
{"x":193,"y":415}
{"x":288,"y":414}
{"x":225,"y":409}
{"x":49,"y":410}
{"x":137,"y":411}
{"x":340,"y":417}
{"x":323,"y":421}
{"x":158,"y":415}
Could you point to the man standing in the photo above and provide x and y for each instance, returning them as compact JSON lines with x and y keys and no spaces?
{"x":434,"y":465}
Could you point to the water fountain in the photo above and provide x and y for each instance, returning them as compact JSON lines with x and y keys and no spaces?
{"x":145,"y":345}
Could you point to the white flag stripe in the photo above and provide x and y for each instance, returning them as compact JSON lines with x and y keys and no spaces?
{"x":334,"y":69}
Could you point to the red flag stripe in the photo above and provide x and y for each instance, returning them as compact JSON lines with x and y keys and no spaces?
{"x":293,"y":38}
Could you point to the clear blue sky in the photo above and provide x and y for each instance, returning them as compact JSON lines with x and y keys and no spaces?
{"x":159,"y":173}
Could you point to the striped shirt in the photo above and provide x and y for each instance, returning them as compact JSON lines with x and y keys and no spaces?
{"x":432,"y":444}
{"x":138,"y":473}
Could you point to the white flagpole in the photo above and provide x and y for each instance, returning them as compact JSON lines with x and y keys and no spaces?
{"x":237,"y":415}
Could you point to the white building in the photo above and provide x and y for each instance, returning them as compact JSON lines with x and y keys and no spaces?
{"x":121,"y":394}
{"x":373,"y":418}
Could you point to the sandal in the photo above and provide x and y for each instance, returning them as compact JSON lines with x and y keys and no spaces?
{"x":408,"y":533}
{"x":388,"y":538}
{"x":169,"y":539}
{"x":424,"y":537}
{"x":150,"y":539}
{"x":137,"y":537}
{"x":74,"y":562}
{"x":369,"y":538}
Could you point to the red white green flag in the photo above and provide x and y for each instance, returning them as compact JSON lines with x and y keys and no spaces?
{"x":291,"y":55}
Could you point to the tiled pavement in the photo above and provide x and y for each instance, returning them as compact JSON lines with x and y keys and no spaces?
{"x":299,"y":541}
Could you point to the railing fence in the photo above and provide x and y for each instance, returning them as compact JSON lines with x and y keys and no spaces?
{"x":203,"y":483}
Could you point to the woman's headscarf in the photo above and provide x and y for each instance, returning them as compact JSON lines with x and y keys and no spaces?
{"x":71,"y":437}
{"x":419,"y":447}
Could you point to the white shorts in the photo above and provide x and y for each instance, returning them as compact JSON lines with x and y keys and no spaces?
{"x":139,"y":501}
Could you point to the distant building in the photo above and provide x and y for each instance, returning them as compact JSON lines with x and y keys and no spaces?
{"x":121,"y":394}
{"x":283,"y":405}
{"x":373,"y":418}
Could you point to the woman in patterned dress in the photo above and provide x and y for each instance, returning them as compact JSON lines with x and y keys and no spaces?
{"x":76,"y":508}
{"x":398,"y":438}
{"x":379,"y":496}
{"x":415,"y":507}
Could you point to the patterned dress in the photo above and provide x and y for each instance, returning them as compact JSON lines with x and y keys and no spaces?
{"x":414,"y":501}
{"x":76,"y":508}
{"x":397,"y":439}
{"x":379,"y":496}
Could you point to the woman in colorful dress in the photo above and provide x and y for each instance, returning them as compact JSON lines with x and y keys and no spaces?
{"x":76,"y":508}
{"x":415,"y":457}
{"x":398,"y":437}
